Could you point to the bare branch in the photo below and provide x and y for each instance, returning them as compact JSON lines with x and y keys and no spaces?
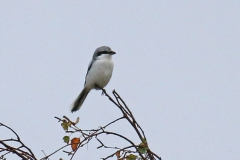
{"x":86,"y":135}
{"x":19,"y":151}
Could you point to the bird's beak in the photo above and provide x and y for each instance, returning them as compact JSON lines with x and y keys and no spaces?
{"x":112,"y":52}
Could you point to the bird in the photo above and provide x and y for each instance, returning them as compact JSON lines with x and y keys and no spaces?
{"x":98,"y":74}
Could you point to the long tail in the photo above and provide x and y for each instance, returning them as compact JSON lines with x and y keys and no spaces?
{"x":79,"y":100}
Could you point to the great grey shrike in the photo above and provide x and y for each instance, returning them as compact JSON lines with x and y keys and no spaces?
{"x":98,"y":74}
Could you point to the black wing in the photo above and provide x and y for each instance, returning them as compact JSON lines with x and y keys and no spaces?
{"x":89,"y":67}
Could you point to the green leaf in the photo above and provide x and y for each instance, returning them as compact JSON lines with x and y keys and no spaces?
{"x":142,"y":150}
{"x":65,"y":126}
{"x":131,"y":157}
{"x":143,"y":147}
{"x":66,"y":139}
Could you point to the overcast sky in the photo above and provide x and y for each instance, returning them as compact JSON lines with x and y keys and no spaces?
{"x":177,"y":67}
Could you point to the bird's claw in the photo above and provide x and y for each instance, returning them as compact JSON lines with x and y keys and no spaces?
{"x":103,"y":92}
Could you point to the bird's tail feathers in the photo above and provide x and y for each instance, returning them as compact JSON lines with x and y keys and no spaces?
{"x":79,"y":100}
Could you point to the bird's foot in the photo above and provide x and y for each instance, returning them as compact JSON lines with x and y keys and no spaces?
{"x":103,"y":92}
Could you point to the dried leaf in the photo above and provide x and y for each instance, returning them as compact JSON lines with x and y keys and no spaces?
{"x":69,"y":124}
{"x":74,"y":143}
{"x":66,"y":139}
{"x":65,"y":126}
{"x":118,"y":154}
{"x":131,"y":157}
{"x":77,"y":120}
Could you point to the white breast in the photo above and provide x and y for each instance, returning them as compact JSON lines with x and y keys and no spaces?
{"x":100,"y":72}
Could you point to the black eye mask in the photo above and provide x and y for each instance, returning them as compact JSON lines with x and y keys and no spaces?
{"x":103,"y":52}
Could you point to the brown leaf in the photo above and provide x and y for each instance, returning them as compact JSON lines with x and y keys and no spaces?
{"x":118,"y":154}
{"x":74,"y":143}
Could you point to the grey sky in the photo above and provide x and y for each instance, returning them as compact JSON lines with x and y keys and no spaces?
{"x":177,"y":67}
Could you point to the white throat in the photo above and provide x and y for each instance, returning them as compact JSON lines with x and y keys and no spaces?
{"x":105,"y":56}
